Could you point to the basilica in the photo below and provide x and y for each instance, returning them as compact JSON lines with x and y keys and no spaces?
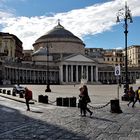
{"x":59,"y":57}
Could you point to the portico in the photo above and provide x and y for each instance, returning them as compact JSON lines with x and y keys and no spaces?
{"x":76,"y":67}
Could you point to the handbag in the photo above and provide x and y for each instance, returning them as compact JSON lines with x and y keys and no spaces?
{"x":88,"y":99}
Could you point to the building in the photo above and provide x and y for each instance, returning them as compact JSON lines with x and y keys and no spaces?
{"x":96,"y":53}
{"x":10,"y":45}
{"x":27,"y":55}
{"x":114,"y":57}
{"x":10,"y":49}
{"x":63,"y":52}
{"x":134,"y":56}
{"x":61,"y":57}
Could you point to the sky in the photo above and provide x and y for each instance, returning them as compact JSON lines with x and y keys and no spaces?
{"x":93,"y":21}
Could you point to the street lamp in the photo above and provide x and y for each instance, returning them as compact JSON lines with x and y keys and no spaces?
{"x":125,"y":13}
{"x":48,"y":69}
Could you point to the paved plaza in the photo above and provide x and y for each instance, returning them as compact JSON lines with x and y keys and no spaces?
{"x":51,"y":122}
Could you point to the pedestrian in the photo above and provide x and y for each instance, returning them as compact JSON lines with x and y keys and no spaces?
{"x":86,"y":100}
{"x":137,"y":96}
{"x":131,"y":94}
{"x":81,"y":103}
{"x":28,"y":97}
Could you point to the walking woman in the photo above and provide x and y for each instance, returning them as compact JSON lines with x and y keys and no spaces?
{"x":86,"y":100}
{"x":81,"y":101}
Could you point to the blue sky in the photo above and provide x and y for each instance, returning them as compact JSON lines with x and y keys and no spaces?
{"x":91,"y":20}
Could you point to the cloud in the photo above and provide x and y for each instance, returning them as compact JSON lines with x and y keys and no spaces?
{"x":87,"y":21}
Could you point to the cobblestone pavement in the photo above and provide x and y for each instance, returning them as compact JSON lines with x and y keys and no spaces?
{"x":50,"y":122}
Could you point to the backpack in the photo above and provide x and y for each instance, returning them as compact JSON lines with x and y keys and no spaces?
{"x":139,"y":93}
{"x":29,"y":95}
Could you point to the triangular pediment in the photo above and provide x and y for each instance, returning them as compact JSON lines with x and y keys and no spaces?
{"x":79,"y":58}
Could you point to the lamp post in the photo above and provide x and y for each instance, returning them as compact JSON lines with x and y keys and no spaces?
{"x":48,"y":70}
{"x":125,"y":13}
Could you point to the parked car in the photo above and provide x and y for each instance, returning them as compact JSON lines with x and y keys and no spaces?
{"x":18,"y":89}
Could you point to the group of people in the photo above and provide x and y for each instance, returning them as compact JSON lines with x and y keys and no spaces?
{"x":134,"y":96}
{"x":84,"y":99}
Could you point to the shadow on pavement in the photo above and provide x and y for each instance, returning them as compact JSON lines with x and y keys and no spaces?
{"x":17,"y":126}
{"x":103,"y":119}
{"x":36,"y":111}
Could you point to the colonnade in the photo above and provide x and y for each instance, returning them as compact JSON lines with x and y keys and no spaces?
{"x":23,"y":75}
{"x":108,"y":77}
{"x":65,"y":74}
{"x":74,"y":73}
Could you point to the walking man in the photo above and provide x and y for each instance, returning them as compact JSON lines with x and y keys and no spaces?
{"x":28,"y":97}
{"x":137,"y":96}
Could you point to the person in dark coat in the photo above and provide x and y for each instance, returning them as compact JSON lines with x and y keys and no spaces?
{"x":28,"y":97}
{"x":81,"y":103}
{"x":86,"y":100}
{"x":131,"y":94}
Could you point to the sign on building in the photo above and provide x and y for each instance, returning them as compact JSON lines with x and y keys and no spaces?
{"x":117,"y":70}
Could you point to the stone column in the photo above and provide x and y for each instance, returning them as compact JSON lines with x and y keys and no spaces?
{"x":91,"y":74}
{"x":82,"y":71}
{"x":87,"y":73}
{"x":76,"y":73}
{"x":34,"y":76}
{"x":66,"y":73}
{"x":30,"y":76}
{"x":17,"y":75}
{"x":96,"y":74}
{"x":71,"y":73}
{"x":61,"y":74}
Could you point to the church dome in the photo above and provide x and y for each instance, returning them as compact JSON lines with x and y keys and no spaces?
{"x":59,"y":41}
{"x":59,"y":33}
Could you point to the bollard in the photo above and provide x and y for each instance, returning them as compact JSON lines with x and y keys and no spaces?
{"x":4,"y":91}
{"x":115,"y":107}
{"x":72,"y":102}
{"x":40,"y":98}
{"x":13,"y":93}
{"x":45,"y":99}
{"x":59,"y":101}
{"x":66,"y":102}
{"x":8,"y":92}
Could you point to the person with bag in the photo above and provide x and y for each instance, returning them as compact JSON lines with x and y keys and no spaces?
{"x":137,"y":96}
{"x":86,"y":100}
{"x":131,"y":94}
{"x":81,"y":104}
{"x":28,"y":97}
